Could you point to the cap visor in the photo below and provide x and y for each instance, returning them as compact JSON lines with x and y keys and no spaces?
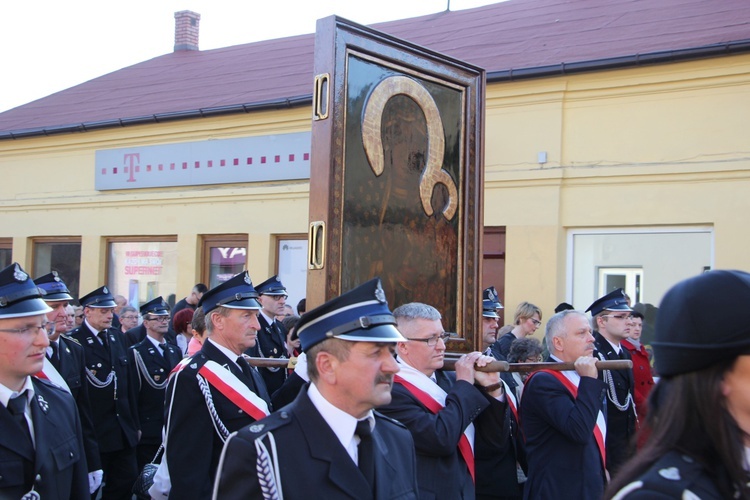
{"x":32,"y":307}
{"x":381,"y":333}
{"x":242,"y":304}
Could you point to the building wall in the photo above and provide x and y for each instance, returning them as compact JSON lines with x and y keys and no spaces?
{"x":657,"y":146}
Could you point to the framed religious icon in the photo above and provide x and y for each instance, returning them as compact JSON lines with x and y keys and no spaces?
{"x":396,"y":174}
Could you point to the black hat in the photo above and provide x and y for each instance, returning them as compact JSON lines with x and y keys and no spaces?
{"x":272,"y":286}
{"x":99,"y":298}
{"x":19,"y":295}
{"x":156,"y":307}
{"x":563,"y":306}
{"x":701,"y":321}
{"x":54,"y":286}
{"x":235,"y":293}
{"x":613,"y":301}
{"x":490,"y":303}
{"x":359,"y":315}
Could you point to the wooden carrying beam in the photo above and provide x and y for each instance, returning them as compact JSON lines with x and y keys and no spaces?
{"x":450,"y":365}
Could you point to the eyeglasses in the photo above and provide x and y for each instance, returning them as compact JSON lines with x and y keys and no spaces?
{"x":432,"y":341}
{"x":536,"y":322}
{"x":128,"y":317}
{"x":79,"y":316}
{"x":277,"y":297}
{"x":28,"y":329}
{"x":161,"y":319}
{"x":620,"y":316}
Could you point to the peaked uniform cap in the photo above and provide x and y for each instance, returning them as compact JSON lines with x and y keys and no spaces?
{"x":613,"y":301}
{"x":359,"y":315}
{"x":490,"y":303}
{"x":235,"y":293}
{"x":272,"y":286}
{"x":702,"y":321}
{"x":100,"y":298}
{"x":157,"y":307}
{"x":54,"y":287}
{"x":19,"y":295}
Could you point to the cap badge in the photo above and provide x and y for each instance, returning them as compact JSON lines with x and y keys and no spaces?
{"x":104,"y":289}
{"x":247,"y":279}
{"x":380,"y":294}
{"x":19,"y":275}
{"x":56,"y":276}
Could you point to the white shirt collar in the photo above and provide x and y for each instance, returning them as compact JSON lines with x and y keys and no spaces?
{"x":341,"y":423}
{"x":226,"y":352}
{"x":616,"y":347}
{"x":6,"y":393}
{"x":571,"y":375}
{"x":269,"y":319}
{"x":155,"y":342}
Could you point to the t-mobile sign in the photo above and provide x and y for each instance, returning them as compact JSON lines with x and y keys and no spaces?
{"x":221,"y":161}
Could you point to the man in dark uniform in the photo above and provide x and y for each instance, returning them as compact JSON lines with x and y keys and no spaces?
{"x":449,"y":415}
{"x":66,"y":366}
{"x":272,"y":334}
{"x":112,"y":393}
{"x":329,"y":443}
{"x":215,"y":392}
{"x":153,"y":359}
{"x":498,"y":474}
{"x":611,"y":322}
{"x":40,"y":443}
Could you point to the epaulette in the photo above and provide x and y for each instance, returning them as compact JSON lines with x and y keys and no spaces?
{"x":68,"y":337}
{"x":387,"y":419}
{"x":675,"y":475}
{"x":269,"y":424}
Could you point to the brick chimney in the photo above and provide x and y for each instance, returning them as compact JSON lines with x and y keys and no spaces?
{"x":186,"y":24}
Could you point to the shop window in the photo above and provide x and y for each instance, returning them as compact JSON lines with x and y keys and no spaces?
{"x":61,"y":255}
{"x":291,"y":266}
{"x":223,"y":257}
{"x":142,"y":270}
{"x":645,"y":262}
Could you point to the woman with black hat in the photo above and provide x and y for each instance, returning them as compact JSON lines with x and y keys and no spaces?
{"x":699,"y":412}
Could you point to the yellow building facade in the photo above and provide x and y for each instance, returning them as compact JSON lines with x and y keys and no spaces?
{"x":640,"y":176}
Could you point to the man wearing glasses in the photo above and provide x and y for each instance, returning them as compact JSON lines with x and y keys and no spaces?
{"x":40,"y":443}
{"x":453,"y":419}
{"x":112,"y":393}
{"x":611,"y":322}
{"x":153,"y":359}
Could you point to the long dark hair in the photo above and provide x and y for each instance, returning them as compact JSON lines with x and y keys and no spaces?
{"x":688,"y":414}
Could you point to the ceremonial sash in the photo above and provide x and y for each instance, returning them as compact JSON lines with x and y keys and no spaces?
{"x":182,"y":364}
{"x":511,"y":399}
{"x":464,"y":446}
{"x":230,"y":386}
{"x":600,"y":429}
{"x":49,"y":372}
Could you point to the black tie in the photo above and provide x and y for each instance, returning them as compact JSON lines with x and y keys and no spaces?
{"x":103,"y":337}
{"x":163,"y":347}
{"x":55,"y":357}
{"x":17,"y":408}
{"x":365,"y":454}
{"x":247,"y":371}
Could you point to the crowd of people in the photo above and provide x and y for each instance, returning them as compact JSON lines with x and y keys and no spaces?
{"x":94,"y":397}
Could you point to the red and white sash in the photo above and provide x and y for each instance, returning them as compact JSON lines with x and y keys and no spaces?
{"x":429,"y":394}
{"x":233,"y":389}
{"x":49,"y":372}
{"x":600,"y":429}
{"x":512,"y":402}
